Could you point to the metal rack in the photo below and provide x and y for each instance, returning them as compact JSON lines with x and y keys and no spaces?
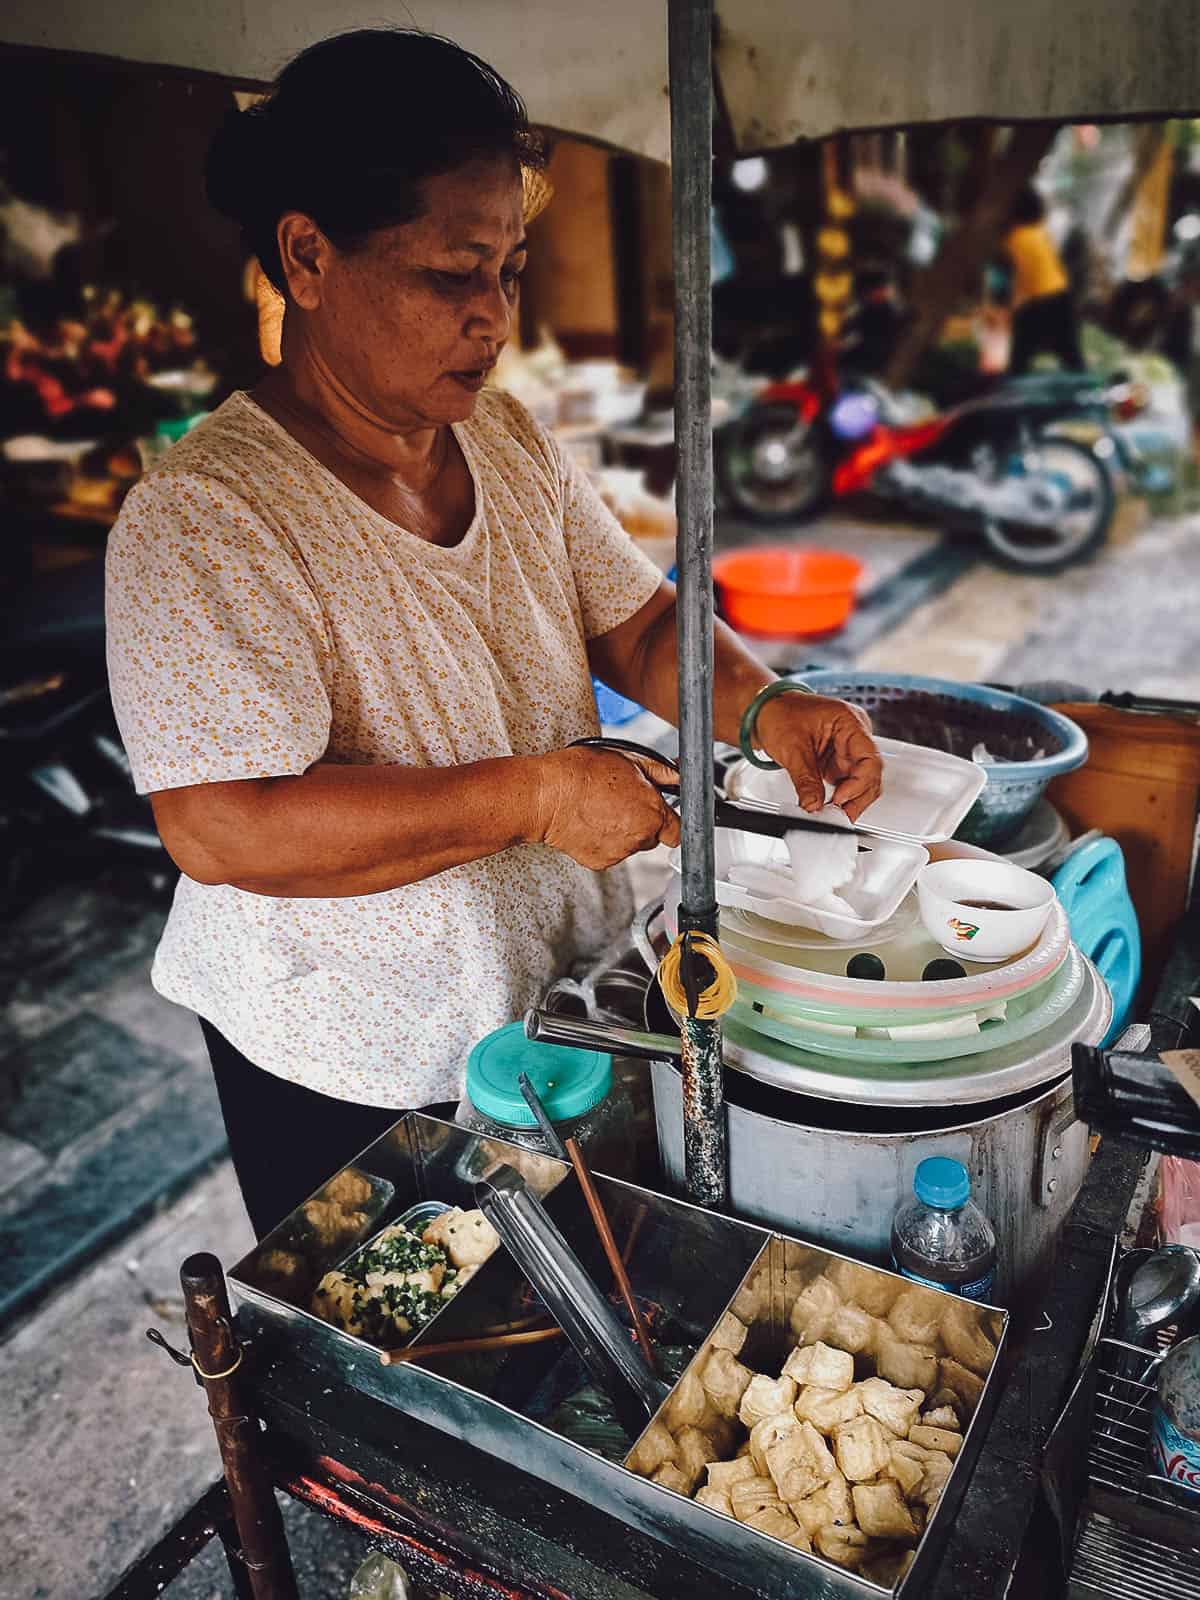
{"x":1136,"y":1538}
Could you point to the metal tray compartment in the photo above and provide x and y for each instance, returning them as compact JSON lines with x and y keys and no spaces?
{"x":764,"y":1304}
{"x":686,"y":1266}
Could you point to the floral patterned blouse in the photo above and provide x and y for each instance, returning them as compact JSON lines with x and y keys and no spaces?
{"x":261,"y":617}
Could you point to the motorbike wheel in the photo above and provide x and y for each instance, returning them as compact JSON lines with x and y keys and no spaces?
{"x":1079,"y":532}
{"x":771,"y":466}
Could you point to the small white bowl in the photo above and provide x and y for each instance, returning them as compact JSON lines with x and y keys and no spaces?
{"x":945,"y":890}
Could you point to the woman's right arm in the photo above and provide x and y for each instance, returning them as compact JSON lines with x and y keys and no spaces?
{"x":355,"y":830}
{"x":220,"y":662}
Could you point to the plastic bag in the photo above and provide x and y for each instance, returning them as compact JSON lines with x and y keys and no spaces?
{"x":1179,"y":1201}
{"x":379,"y":1579}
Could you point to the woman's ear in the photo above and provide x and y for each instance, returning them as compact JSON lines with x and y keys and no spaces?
{"x":304,"y":252}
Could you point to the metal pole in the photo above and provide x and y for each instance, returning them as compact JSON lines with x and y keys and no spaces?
{"x":217,"y":1355}
{"x":690,"y":25}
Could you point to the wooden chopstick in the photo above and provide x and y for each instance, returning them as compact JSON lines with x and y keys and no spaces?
{"x":596,"y":1207}
{"x":496,"y":1341}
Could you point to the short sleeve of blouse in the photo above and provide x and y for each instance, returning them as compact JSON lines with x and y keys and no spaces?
{"x":217,"y":648}
{"x":613,"y":578}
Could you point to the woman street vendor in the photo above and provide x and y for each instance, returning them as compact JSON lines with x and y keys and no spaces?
{"x":353,"y":620}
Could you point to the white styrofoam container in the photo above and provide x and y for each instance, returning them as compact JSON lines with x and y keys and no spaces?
{"x":754,"y":873}
{"x":926,"y":793}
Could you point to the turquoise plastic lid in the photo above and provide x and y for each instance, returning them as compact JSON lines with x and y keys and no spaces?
{"x":942,"y":1182}
{"x":568,"y":1082}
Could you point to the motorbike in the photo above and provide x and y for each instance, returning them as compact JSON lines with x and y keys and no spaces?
{"x":67,"y":799}
{"x":1002,"y":466}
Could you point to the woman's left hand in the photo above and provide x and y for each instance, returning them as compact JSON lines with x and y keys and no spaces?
{"x":817,"y":741}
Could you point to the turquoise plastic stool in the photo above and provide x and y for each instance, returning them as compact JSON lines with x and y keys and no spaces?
{"x":1092,"y":888}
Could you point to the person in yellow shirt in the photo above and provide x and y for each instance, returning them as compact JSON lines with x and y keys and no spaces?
{"x":1044,"y":317}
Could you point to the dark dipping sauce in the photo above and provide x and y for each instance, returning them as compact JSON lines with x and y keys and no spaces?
{"x":990,"y":905}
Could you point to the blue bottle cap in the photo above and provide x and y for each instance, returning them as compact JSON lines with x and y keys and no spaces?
{"x":568,"y":1082}
{"x":942,"y":1182}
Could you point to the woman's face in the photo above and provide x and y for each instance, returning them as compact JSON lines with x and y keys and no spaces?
{"x":406,"y":329}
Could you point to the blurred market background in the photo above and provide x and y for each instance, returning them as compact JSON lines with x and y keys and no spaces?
{"x":128,"y":311}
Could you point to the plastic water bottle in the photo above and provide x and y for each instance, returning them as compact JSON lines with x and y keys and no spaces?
{"x":941,"y":1237}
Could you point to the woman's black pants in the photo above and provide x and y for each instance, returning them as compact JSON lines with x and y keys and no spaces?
{"x":285,"y":1140}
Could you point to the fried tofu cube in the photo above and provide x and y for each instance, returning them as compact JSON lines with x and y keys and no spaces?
{"x":470,"y":1239}
{"x":937,"y":1470}
{"x":964,"y":1339}
{"x":769,"y":1432}
{"x":825,"y":1408}
{"x":725,"y":1380}
{"x":887,"y":1564}
{"x":961,"y":1382}
{"x":766,"y":1397}
{"x":798,"y":1538}
{"x":779,"y":1524}
{"x":854,"y":1329}
{"x":862,"y":1447}
{"x":908,"y":1366}
{"x":814,"y":1307}
{"x":896,"y":1408}
{"x":880,"y":1511}
{"x":845,"y":1545}
{"x":349,"y":1189}
{"x":946,"y":1399}
{"x":819,"y":1363}
{"x":916,"y":1316}
{"x":693,"y":1451}
{"x":837,"y":1497}
{"x":688,"y":1405}
{"x":868,"y":1287}
{"x":907,"y":1471}
{"x":944,"y":1439}
{"x":729,"y":1334}
{"x":941,"y":1417}
{"x":714,"y":1499}
{"x":672,"y":1478}
{"x":831,"y":1503}
{"x":753,"y":1495}
{"x":795,"y":1280}
{"x":722,"y":1475}
{"x":654,"y":1449}
{"x":751,"y":1298}
{"x":799,"y":1463}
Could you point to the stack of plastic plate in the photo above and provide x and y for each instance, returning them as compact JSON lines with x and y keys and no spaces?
{"x":796,"y":988}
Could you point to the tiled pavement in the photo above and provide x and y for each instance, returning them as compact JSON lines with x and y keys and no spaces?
{"x":107,"y":1109}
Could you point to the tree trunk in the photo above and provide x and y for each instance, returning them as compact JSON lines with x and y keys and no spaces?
{"x":968,"y":247}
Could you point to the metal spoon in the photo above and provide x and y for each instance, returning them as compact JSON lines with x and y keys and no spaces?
{"x":1164,"y":1289}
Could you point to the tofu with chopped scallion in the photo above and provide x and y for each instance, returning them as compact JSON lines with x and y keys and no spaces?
{"x":400,"y":1279}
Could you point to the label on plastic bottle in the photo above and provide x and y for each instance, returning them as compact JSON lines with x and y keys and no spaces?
{"x":977,"y":1289}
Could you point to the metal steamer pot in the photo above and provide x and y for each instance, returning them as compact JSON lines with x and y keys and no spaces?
{"x":835,"y":1170}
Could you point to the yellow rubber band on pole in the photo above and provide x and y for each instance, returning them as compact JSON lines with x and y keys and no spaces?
{"x":714,"y":1001}
{"x":228,"y":1371}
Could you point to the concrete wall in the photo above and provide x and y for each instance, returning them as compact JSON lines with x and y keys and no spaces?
{"x":788,"y":67}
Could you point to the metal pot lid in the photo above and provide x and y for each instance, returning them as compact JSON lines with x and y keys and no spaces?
{"x":971,"y":1080}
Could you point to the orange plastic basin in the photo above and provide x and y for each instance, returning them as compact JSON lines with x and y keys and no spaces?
{"x":770,"y":589}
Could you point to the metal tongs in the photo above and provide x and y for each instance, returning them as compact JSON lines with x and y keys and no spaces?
{"x":581,"y":1311}
{"x":740,"y":814}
